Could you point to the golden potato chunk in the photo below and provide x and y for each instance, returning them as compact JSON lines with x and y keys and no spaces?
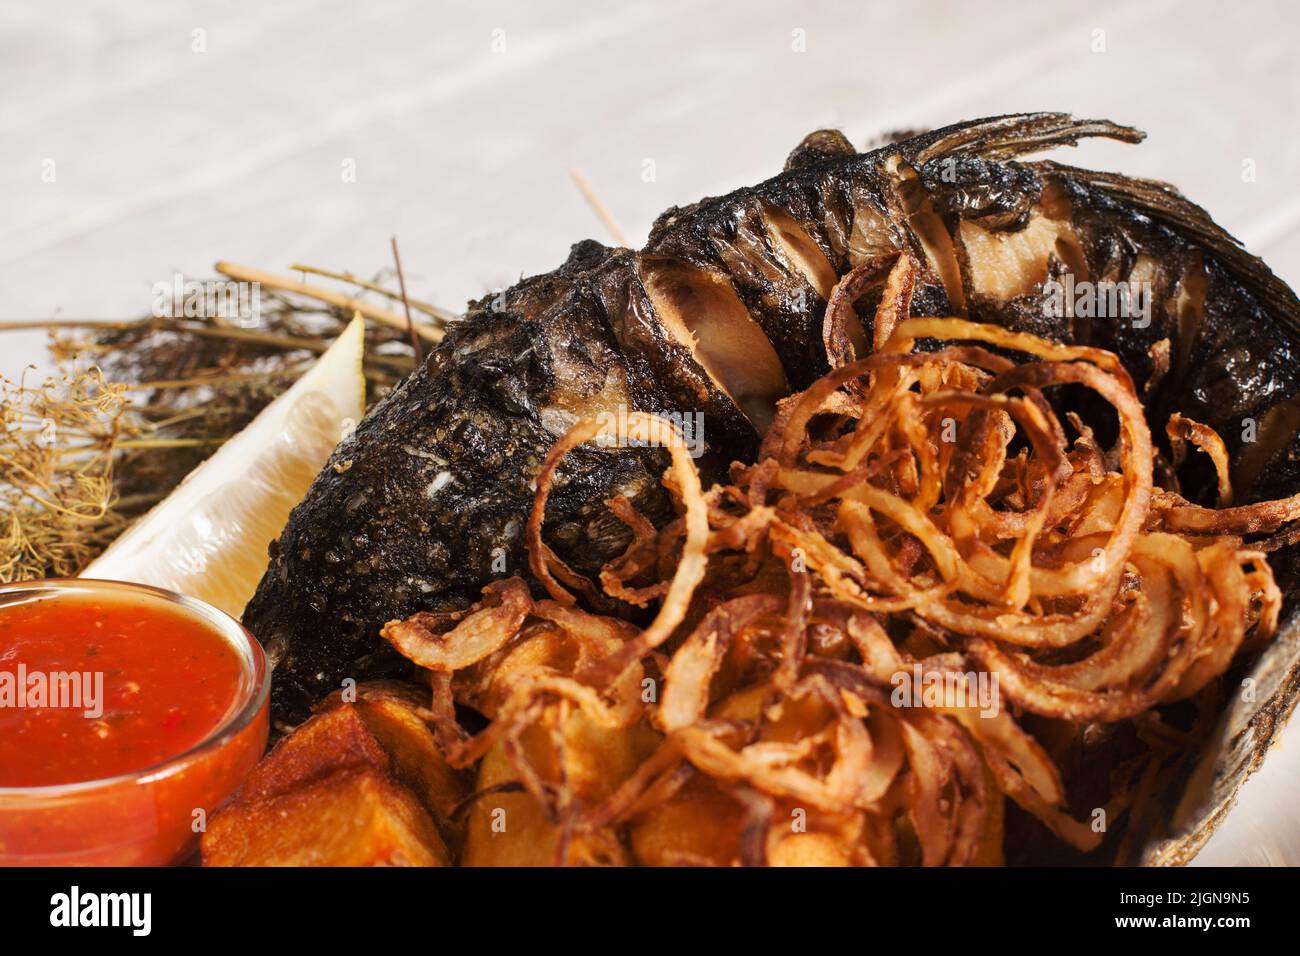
{"x":356,"y":785}
{"x":330,"y":741}
{"x":700,"y":825}
{"x":510,"y":829}
{"x":412,"y":751}
{"x":352,"y":817}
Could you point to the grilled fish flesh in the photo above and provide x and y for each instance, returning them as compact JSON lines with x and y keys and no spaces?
{"x":721,"y":314}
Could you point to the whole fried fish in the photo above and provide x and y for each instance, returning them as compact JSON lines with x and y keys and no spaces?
{"x":721,"y":315}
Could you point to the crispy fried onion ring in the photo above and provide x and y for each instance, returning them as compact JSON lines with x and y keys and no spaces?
{"x":852,"y":631}
{"x":648,"y":429}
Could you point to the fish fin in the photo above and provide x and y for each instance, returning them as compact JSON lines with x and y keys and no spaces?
{"x":1006,"y":137}
{"x":1169,"y":207}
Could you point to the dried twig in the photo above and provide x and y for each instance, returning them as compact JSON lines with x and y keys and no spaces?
{"x":599,"y":208}
{"x":441,"y":314}
{"x":406,"y":303}
{"x":371,"y":311}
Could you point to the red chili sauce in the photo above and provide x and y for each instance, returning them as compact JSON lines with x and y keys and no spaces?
{"x":110,"y":687}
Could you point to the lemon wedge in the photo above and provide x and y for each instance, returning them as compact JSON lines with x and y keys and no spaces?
{"x":208,"y":538}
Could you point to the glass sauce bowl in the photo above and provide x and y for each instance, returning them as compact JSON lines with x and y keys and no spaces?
{"x":152,"y":816}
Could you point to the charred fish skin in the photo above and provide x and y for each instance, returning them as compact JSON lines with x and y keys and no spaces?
{"x":721,"y":313}
{"x":1225,"y":326}
{"x":991,"y":234}
{"x":427,"y":499}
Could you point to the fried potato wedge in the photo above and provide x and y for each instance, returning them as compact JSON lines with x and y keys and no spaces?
{"x":511,"y":829}
{"x":334,"y":740}
{"x":356,"y":785}
{"x":411,"y":748}
{"x":353,"y":817}
{"x":808,"y":849}
{"x":700,"y":825}
{"x":417,"y":761}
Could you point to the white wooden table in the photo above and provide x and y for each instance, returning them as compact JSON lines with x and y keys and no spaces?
{"x":142,"y":139}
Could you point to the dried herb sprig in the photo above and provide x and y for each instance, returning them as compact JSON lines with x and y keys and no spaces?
{"x":137,"y":405}
{"x":58,"y":449}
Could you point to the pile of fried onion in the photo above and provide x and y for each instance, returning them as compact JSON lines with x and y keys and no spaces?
{"x":928,"y":589}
